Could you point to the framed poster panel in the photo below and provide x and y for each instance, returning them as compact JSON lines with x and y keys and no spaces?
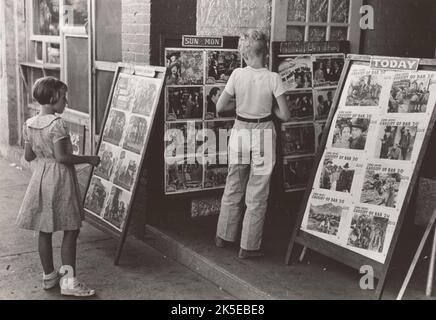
{"x":195,"y":80}
{"x":311,"y":77}
{"x":370,"y":160}
{"x":132,"y":107}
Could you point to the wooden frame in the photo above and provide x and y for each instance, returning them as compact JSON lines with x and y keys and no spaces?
{"x":279,"y":22}
{"x":157,"y":73}
{"x":334,"y":251}
{"x":96,"y":66}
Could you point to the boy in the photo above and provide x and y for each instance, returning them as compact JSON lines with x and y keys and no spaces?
{"x":253,"y":160}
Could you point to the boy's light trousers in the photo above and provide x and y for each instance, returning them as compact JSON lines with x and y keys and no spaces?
{"x":252,"y":157}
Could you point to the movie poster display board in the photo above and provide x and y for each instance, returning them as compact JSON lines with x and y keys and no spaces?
{"x":129,"y":118}
{"x":311,"y":78}
{"x":362,"y":182}
{"x":195,"y":79}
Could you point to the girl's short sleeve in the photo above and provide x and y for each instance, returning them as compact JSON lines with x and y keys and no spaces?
{"x":59,"y":131}
{"x":278,"y":87}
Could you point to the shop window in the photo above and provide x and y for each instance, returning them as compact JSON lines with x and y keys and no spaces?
{"x":317,"y":20}
{"x":46,"y":17}
{"x":75,"y":13}
{"x":76,"y":72}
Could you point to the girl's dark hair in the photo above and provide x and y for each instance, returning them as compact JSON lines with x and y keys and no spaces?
{"x":46,"y":90}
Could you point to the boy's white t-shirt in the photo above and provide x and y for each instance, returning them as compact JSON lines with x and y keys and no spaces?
{"x":254,"y":90}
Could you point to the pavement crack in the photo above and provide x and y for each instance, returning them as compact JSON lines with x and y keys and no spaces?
{"x":18,"y":254}
{"x":54,"y":248}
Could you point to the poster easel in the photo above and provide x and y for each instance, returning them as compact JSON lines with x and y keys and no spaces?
{"x":131,"y":109}
{"x":354,"y":257}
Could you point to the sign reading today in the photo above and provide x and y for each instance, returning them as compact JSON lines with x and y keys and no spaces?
{"x":203,"y":42}
{"x":397,"y":64}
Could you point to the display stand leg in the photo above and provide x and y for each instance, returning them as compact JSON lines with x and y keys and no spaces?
{"x":303,"y":254}
{"x":416,"y":257}
{"x":429,"y":288}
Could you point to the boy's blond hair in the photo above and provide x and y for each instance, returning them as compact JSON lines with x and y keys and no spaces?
{"x":253,"y":43}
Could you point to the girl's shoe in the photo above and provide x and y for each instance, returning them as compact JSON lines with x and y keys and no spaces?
{"x":74,"y":288}
{"x":51,"y":281}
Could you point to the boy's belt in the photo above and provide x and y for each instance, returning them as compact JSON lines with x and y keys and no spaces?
{"x":266,"y":119}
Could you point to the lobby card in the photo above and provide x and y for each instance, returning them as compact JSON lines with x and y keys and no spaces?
{"x":384,"y":184}
{"x":325,"y":215}
{"x":185,"y":67}
{"x":400,"y":138}
{"x":296,"y":172}
{"x":323,"y":102}
{"x":97,"y":195}
{"x":296,"y":72}
{"x":109,"y":156}
{"x":221,"y":64}
{"x":300,"y":105}
{"x":413,"y":93}
{"x":183,"y":175}
{"x":184,"y":103}
{"x":370,"y":232}
{"x":298,"y":139}
{"x":115,"y":212}
{"x":327,"y":69}
{"x":366,"y":88}
{"x":338,"y":173}
{"x":351,"y":131}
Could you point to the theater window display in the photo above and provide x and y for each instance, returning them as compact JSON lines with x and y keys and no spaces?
{"x":195,"y":132}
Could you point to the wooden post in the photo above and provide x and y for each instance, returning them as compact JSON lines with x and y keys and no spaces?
{"x":429,"y":288}
{"x":416,"y":257}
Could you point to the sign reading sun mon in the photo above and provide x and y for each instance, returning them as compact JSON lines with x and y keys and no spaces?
{"x":203,"y":42}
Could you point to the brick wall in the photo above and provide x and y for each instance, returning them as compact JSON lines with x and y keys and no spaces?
{"x":402,"y":28}
{"x":136,"y":31}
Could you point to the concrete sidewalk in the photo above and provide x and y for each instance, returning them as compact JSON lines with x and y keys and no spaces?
{"x":144,"y":273}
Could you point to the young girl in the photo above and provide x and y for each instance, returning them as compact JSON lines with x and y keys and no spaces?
{"x":52,"y":202}
{"x":253,"y":160}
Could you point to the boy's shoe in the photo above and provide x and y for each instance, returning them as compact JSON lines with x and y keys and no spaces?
{"x":51,"y":281}
{"x":247,"y":254}
{"x":74,"y":288}
{"x":220,"y":243}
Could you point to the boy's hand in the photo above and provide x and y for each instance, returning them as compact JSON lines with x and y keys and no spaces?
{"x":94,"y":161}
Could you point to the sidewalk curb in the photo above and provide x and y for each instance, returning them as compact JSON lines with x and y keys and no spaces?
{"x":203,"y":266}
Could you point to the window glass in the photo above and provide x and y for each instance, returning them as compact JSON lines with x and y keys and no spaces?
{"x":318,"y":10}
{"x":53,"y":53}
{"x":297,"y":11}
{"x":339,"y":33}
{"x":340,"y":11}
{"x":75,"y":13}
{"x":46,"y":17}
{"x":317,"y":33}
{"x":295,"y":33}
{"x":38,"y":52}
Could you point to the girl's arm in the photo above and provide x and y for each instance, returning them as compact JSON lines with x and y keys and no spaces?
{"x":63,"y":156}
{"x":29,"y":155}
{"x":225,"y":103}
{"x":282,"y":112}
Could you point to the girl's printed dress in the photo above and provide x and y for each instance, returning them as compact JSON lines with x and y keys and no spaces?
{"x":52,"y":201}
